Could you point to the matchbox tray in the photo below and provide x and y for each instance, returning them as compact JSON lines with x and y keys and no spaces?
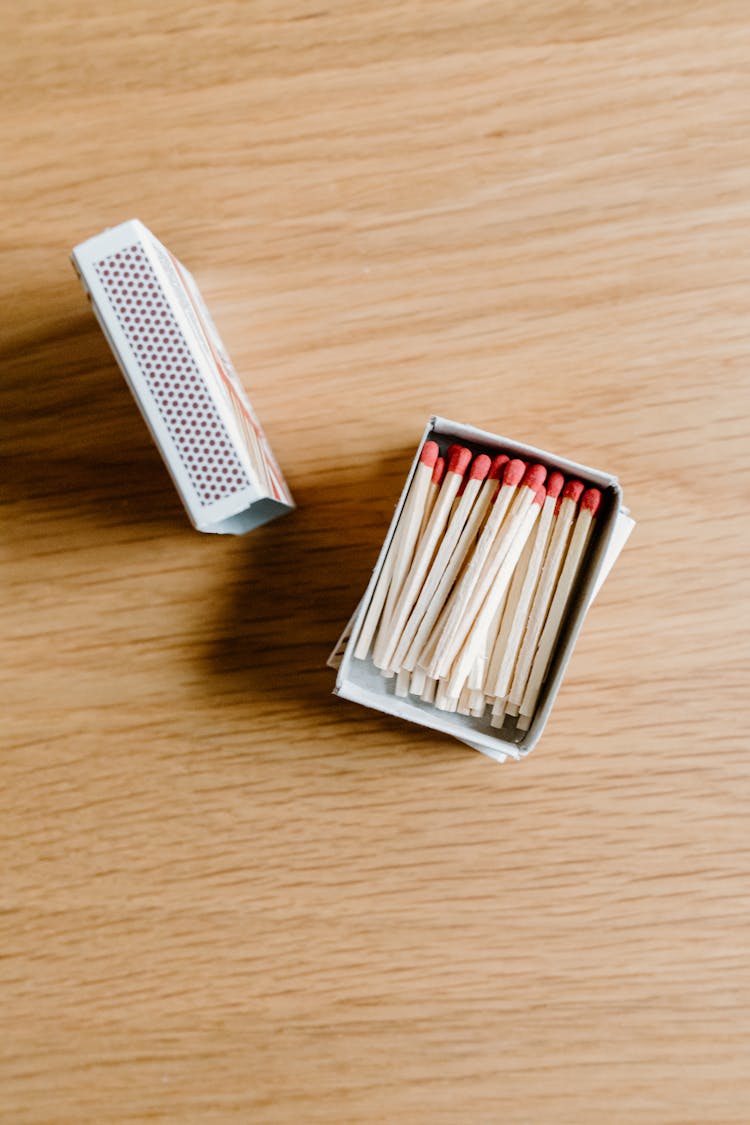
{"x":182,"y":379}
{"x":361,"y":681}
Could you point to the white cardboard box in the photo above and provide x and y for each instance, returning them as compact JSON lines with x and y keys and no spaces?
{"x":181,"y":377}
{"x":360,"y":680}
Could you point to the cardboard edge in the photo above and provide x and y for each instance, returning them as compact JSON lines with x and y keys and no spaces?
{"x":619,"y":525}
{"x":243,"y":510}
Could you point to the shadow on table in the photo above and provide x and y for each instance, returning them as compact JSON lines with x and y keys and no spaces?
{"x":294,"y":584}
{"x":73,"y":449}
{"x":72,"y":442}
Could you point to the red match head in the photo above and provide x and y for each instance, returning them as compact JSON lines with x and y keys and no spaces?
{"x":429,"y":454}
{"x":497,"y":466}
{"x":459,"y":460}
{"x":540,"y":495}
{"x":591,"y":500}
{"x":439,"y":471}
{"x":513,"y":472}
{"x":555,"y":484}
{"x":481,"y":467}
{"x":535,"y":476}
{"x":573,"y":491}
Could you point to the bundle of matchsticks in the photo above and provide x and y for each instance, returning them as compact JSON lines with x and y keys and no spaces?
{"x":473,"y":591}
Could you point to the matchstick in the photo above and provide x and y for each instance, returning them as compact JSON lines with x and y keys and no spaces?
{"x":442,"y":700}
{"x":484,"y":645}
{"x":500,"y":710}
{"x":422,"y":651}
{"x":417,"y":681}
{"x":464,"y":702}
{"x":499,"y":639}
{"x":470,"y":595}
{"x":459,"y":497}
{"x":562,"y":524}
{"x":407,"y":546}
{"x":402,"y":545}
{"x":402,"y":683}
{"x":474,"y":635}
{"x":520,"y":596}
{"x":478,"y":704}
{"x":450,"y":614}
{"x":394,"y":624}
{"x":436,"y":480}
{"x":590,"y":503}
{"x":478,"y":671}
{"x":443,"y":558}
{"x":478,"y":579}
{"x":470,"y":666}
{"x":428,"y":691}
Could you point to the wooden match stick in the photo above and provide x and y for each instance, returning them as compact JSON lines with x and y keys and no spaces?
{"x":484,"y":645}
{"x":478,"y":671}
{"x":406,"y":548}
{"x":465,"y":543}
{"x":553,"y":560}
{"x":502,"y":632}
{"x":450,"y":616}
{"x":458,"y":520}
{"x":470,"y":666}
{"x":478,"y":704}
{"x":475,"y":634}
{"x":458,"y":498}
{"x":402,"y":683}
{"x":520,"y":596}
{"x":442,"y":700}
{"x":497,"y":716}
{"x":515,"y":616}
{"x":590,"y":503}
{"x":436,"y":480}
{"x":469,"y":598}
{"x":464,"y":702}
{"x":417,"y":681}
{"x":428,"y":691}
{"x":476,"y":586}
{"x":401,"y":546}
{"x":394,"y":624}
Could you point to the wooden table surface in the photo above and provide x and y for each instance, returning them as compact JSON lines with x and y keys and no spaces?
{"x":226,"y":895}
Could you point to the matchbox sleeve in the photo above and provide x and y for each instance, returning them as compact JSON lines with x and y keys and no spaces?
{"x":178,"y":370}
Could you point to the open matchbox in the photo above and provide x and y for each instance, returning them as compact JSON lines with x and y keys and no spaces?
{"x":359,"y":680}
{"x":182,"y":379}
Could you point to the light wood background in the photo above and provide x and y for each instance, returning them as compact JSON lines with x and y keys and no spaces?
{"x":226,"y":895}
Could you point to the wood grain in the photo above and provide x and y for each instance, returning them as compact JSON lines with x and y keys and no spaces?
{"x":227,"y":896}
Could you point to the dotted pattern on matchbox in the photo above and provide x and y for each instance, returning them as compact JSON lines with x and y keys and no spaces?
{"x":172,"y":375}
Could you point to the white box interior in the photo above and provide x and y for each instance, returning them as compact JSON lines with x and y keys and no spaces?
{"x":361,"y":681}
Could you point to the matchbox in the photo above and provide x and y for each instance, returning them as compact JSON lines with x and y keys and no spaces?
{"x":182,"y":379}
{"x":482,"y":586}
